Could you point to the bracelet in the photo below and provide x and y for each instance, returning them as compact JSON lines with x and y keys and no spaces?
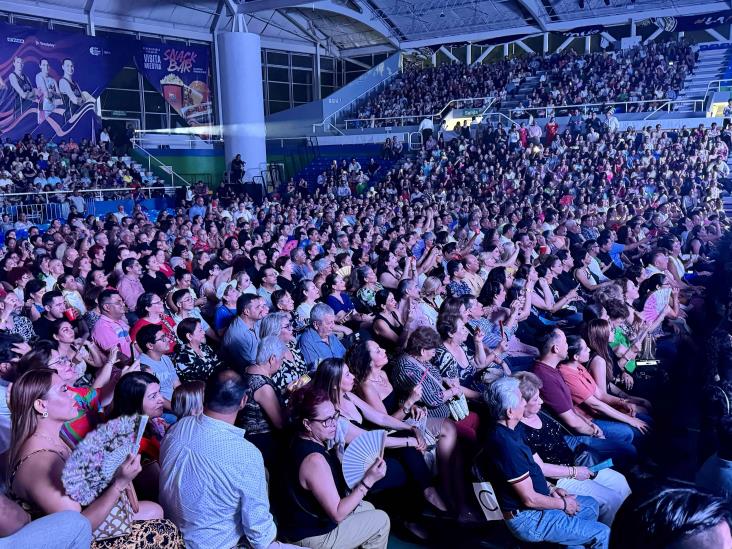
{"x":363,"y":482}
{"x":406,"y":410}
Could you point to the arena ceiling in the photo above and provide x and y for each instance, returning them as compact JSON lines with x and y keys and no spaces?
{"x":350,"y":27}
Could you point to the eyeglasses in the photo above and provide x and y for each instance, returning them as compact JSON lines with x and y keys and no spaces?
{"x":163,"y":337}
{"x":329,"y":421}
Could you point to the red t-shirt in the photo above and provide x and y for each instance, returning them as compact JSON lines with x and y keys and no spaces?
{"x":167,"y":323}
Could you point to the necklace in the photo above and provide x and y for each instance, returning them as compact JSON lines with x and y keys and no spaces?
{"x":56,"y":442}
{"x":378,"y":380}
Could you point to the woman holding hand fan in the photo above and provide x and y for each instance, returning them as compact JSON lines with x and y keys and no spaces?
{"x":322,"y":511}
{"x":40,"y":403}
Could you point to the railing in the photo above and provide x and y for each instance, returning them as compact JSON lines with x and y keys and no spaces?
{"x":154,"y":161}
{"x":59,"y":209}
{"x":191,"y":136}
{"x":717,"y":85}
{"x":333,"y":117}
{"x":327,"y":126}
{"x":554,"y":110}
{"x":500,"y":116}
{"x":668,"y":106}
{"x":415,"y":141}
{"x":415,"y":119}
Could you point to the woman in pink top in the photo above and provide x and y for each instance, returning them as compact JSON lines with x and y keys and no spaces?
{"x":585,"y":392}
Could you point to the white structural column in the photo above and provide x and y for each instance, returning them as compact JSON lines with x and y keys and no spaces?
{"x":242,"y":104}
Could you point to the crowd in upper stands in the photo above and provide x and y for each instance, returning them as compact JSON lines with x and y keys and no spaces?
{"x":512,"y":305}
{"x":654,"y":71}
{"x":33,"y":165}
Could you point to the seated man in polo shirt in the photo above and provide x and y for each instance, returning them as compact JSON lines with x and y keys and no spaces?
{"x":242,"y":336}
{"x":319,"y":341}
{"x":532,"y":511}
{"x":112,"y":329}
{"x":608,"y":439}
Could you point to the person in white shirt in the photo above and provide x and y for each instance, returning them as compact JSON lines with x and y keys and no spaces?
{"x":104,"y":139}
{"x":426,"y":128}
{"x":212,"y":480}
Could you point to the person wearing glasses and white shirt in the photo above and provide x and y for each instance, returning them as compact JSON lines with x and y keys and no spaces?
{"x":154,"y":342}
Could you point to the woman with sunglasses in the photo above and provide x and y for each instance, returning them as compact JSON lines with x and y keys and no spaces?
{"x":322,"y":512}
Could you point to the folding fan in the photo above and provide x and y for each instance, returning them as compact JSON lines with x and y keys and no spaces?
{"x":93,"y":463}
{"x":361,"y":454}
{"x":344,"y":271}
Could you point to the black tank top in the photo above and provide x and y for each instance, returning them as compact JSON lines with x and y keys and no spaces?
{"x":306,"y":518}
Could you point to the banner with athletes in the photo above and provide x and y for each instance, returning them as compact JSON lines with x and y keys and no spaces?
{"x":50,"y":81}
{"x":182,"y":74}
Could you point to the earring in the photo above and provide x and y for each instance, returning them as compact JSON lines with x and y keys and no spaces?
{"x":44,"y":415}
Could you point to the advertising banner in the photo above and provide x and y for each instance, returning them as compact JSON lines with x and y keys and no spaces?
{"x":50,"y":81}
{"x":691,"y":22}
{"x":182,"y":74}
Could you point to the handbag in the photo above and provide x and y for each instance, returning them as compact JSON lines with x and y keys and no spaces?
{"x":647,"y":355}
{"x":486,"y":497}
{"x":118,"y":522}
{"x":458,"y":408}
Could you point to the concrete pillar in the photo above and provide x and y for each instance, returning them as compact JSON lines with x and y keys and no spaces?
{"x":316,"y":74}
{"x":242,"y":103}
{"x":632,"y":27}
{"x":505,"y":49}
{"x":469,"y":54}
{"x":545,"y":46}
{"x":588,"y":44}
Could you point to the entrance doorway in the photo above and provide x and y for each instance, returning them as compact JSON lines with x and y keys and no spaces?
{"x":120,"y":132}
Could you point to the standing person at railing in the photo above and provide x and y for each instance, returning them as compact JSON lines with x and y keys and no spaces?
{"x":426,"y":128}
{"x":237,"y":169}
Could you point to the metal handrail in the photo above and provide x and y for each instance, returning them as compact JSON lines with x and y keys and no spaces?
{"x":420,"y":117}
{"x":327,"y":126}
{"x":586,"y":106}
{"x":333,"y":115}
{"x":500,"y":115}
{"x":190,"y":134}
{"x":668,"y":104}
{"x":161,"y":165}
{"x":718,"y":83}
{"x":89,"y":191}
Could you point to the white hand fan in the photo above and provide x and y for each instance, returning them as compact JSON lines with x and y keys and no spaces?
{"x":361,"y":454}
{"x":93,"y":463}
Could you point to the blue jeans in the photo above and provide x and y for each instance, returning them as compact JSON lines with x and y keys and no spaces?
{"x":67,"y":530}
{"x":555,"y":526}
{"x":617,"y":444}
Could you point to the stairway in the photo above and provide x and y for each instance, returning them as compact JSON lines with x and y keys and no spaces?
{"x":711,"y":65}
{"x":523,"y":91}
{"x":362,"y":153}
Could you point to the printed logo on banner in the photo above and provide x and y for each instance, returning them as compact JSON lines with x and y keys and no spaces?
{"x":50,"y":81}
{"x":182,"y":75}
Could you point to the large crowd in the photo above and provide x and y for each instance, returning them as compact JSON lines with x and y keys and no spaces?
{"x":525,"y":310}
{"x":652,"y":72}
{"x":34,"y":170}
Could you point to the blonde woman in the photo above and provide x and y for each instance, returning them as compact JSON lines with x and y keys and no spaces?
{"x":188,"y":399}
